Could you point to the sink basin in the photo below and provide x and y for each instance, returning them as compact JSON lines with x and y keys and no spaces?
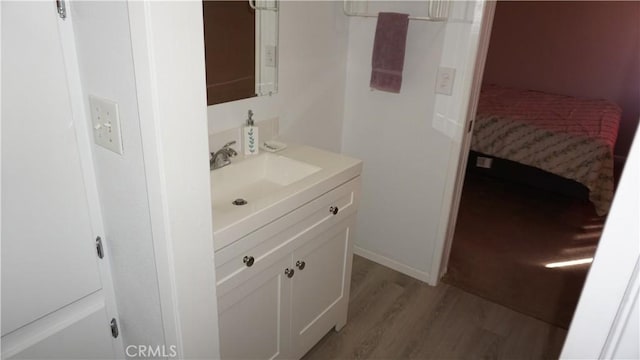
{"x":273,"y":185}
{"x":254,"y":178}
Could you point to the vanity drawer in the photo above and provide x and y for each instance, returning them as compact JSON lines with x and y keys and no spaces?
{"x":259,"y":250}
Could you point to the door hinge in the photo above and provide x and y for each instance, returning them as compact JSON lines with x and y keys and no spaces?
{"x":114,"y":328}
{"x":470,"y":125}
{"x":62,"y":9}
{"x":99,"y":248}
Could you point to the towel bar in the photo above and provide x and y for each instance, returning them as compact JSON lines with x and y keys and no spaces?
{"x":253,"y":4}
{"x":438,"y":11}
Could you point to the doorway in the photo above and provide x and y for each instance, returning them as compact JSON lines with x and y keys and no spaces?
{"x":517,"y":226}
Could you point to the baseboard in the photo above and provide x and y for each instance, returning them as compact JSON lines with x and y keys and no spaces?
{"x":392,"y":264}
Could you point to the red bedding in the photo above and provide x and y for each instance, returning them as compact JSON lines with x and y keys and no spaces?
{"x":596,"y":119}
{"x":567,"y":136}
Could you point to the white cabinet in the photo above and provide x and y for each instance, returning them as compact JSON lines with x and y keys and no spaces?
{"x":284,"y":286}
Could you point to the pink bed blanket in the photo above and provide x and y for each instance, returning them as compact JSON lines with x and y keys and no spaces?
{"x":595,"y":119}
{"x":567,"y":136}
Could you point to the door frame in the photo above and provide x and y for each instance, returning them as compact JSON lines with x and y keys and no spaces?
{"x":442,"y":248}
{"x":83,"y":139}
{"x":602,"y":323}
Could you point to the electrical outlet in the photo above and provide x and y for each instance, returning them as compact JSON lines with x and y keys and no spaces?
{"x":270,"y":55}
{"x":444,"y":80}
{"x":484,"y":162}
{"x":106,"y":124}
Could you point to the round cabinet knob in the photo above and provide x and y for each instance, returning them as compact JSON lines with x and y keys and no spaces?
{"x":300,"y":264}
{"x":289,"y":272}
{"x":248,"y":260}
{"x":333,"y":210}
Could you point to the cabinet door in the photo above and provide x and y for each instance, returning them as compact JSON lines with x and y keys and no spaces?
{"x":254,"y":317}
{"x":320,"y":292}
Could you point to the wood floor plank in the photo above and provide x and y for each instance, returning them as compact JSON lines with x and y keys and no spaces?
{"x":409,"y":320}
{"x":375,"y":296}
{"x":393,"y":316}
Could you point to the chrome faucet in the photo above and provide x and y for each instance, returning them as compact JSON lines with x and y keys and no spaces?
{"x":222,"y":157}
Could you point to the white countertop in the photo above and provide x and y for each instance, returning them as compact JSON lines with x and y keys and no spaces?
{"x":230,"y":223}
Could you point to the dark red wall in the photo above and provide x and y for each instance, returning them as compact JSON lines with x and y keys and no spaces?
{"x":579,"y":48}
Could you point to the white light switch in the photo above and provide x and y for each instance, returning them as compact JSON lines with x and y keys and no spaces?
{"x":444,"y":80}
{"x":106,"y":123}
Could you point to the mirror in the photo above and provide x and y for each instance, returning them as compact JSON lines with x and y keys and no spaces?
{"x":241,"y":49}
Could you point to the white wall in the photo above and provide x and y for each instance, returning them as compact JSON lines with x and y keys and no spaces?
{"x":106,"y":68}
{"x":168,"y":53}
{"x":311,"y":78}
{"x":407,"y":151}
{"x":402,"y":152}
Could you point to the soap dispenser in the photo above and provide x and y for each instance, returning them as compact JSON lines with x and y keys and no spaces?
{"x":250,"y":136}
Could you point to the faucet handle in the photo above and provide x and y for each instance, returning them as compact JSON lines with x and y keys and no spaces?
{"x":228,"y":150}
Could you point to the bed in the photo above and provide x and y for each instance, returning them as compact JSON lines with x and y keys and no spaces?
{"x":566,"y":136}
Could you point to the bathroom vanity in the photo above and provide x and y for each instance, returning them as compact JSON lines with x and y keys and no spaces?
{"x":283,"y":258}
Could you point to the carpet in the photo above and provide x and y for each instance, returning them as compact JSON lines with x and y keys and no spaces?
{"x":505,"y":236}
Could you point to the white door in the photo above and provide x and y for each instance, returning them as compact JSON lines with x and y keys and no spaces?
{"x":53,"y":298}
{"x":254,"y":317}
{"x":605,"y":324}
{"x":320,"y":292}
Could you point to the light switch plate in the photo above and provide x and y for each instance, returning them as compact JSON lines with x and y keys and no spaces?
{"x":444,"y":80}
{"x":106,"y":123}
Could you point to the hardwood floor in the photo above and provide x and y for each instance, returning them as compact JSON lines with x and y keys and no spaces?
{"x":507,"y":233}
{"x":393,"y":316}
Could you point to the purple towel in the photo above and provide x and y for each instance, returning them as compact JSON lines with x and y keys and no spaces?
{"x":387,"y":60}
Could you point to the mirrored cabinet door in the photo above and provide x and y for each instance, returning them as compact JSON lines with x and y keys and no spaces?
{"x":241,"y":49}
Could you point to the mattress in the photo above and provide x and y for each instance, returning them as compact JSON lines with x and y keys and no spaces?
{"x":566,"y":136}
